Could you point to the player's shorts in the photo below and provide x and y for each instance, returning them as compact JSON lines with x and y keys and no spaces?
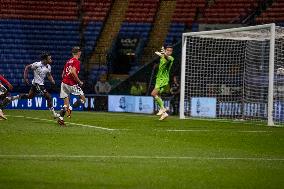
{"x":161,"y":85}
{"x":66,"y":90}
{"x":38,"y":89}
{"x":161,"y":88}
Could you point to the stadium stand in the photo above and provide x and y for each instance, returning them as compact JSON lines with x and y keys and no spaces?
{"x":32,"y":9}
{"x":96,"y":10}
{"x":274,"y":13}
{"x":227,"y":11}
{"x":138,"y":22}
{"x":139,"y":18}
{"x":159,"y":30}
{"x":27,"y":28}
{"x":97,"y":62}
{"x":184,"y":16}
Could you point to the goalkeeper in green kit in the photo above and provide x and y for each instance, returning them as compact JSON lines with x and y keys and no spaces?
{"x":163,"y":78}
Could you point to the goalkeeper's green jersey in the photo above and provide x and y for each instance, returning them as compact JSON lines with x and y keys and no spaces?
{"x":163,"y":75}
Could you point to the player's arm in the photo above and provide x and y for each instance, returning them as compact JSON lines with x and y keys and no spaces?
{"x":50,"y":78}
{"x":167,"y":57}
{"x":63,"y":73}
{"x":73,"y":72}
{"x":26,"y":71}
{"x":163,"y":54}
{"x":6,"y":82}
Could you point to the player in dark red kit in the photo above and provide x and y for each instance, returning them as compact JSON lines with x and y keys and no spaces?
{"x":5,"y":99}
{"x":71,"y":84}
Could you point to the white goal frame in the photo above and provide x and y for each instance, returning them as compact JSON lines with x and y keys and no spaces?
{"x":270,"y":91}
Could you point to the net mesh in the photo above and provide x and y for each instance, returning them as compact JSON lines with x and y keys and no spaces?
{"x":234,"y":68}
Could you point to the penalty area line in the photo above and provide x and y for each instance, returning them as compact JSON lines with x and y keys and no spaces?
{"x":70,"y":123}
{"x":22,"y":156}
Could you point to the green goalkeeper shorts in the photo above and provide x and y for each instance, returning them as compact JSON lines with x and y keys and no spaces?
{"x":161,"y":88}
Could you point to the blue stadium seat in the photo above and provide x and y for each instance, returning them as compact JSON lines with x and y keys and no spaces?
{"x":22,"y":41}
{"x":175,"y":32}
{"x":140,"y":30}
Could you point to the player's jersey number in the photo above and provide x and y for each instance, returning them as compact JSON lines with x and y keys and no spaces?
{"x":68,"y":70}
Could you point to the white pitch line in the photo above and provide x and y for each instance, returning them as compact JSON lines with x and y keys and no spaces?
{"x":255,"y":131}
{"x":140,"y":157}
{"x":109,"y":129}
{"x":91,"y":126}
{"x":77,"y":124}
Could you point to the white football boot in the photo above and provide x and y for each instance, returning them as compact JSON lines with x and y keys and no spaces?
{"x":161,"y":111}
{"x":2,"y":115}
{"x":164,"y":116}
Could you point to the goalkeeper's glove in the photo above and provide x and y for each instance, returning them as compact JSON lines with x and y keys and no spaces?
{"x":161,"y":53}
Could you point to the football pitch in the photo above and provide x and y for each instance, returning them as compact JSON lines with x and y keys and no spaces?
{"x":116,"y":150}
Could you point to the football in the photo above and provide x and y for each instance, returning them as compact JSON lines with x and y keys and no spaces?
{"x":280,"y":71}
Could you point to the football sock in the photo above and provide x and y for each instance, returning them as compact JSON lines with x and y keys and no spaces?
{"x":159,"y":102}
{"x":63,"y":111}
{"x":4,"y":103}
{"x":77,"y":103}
{"x":52,"y":110}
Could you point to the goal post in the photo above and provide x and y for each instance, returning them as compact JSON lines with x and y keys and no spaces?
{"x":230,"y":73}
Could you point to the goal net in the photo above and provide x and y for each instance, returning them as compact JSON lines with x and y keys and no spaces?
{"x":232,"y":73}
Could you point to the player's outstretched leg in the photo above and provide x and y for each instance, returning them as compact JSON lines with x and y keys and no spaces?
{"x":80,"y":100}
{"x":48,"y":98}
{"x":159,"y":101}
{"x":2,"y":116}
{"x":5,"y":103}
{"x":164,"y":116}
{"x":63,"y":111}
{"x":60,"y":120}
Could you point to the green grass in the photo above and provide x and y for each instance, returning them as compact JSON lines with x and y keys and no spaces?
{"x":140,"y":152}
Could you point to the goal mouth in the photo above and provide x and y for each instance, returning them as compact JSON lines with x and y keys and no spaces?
{"x":231,"y":74}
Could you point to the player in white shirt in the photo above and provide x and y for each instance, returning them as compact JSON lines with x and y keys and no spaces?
{"x":41,"y":70}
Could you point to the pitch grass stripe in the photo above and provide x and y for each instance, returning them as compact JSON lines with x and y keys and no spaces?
{"x":190,"y":130}
{"x":3,"y":156}
{"x":109,"y":129}
{"x":255,"y":131}
{"x":206,"y":130}
{"x":70,"y":123}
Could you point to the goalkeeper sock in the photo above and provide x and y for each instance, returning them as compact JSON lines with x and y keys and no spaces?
{"x":159,"y":102}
